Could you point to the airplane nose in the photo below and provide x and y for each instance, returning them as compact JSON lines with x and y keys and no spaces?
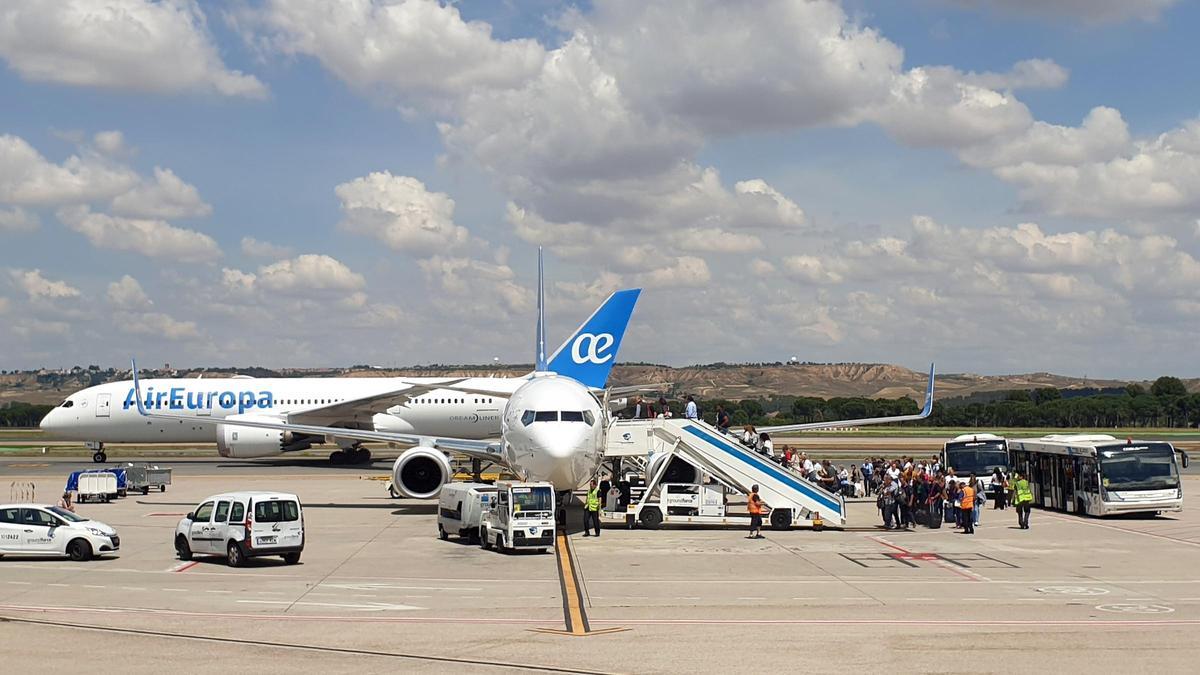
{"x":50,"y":423}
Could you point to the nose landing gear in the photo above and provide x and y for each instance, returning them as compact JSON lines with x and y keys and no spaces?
{"x":98,"y":454}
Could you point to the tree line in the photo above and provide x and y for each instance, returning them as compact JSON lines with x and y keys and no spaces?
{"x":1166,"y":404}
{"x":20,"y":414}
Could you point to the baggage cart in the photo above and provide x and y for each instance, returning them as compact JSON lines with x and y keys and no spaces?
{"x":90,"y":486}
{"x":143,"y":476}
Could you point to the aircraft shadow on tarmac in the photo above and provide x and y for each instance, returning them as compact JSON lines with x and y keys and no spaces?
{"x":423,"y":508}
{"x":303,"y":463}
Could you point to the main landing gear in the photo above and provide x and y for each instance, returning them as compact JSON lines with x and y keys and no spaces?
{"x":98,"y":454}
{"x":354,"y":455}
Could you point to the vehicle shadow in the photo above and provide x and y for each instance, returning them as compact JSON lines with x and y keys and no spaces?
{"x":219,"y":561}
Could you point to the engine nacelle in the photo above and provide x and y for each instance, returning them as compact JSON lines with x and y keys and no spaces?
{"x":243,"y":442}
{"x":678,"y":471}
{"x":420,"y":472}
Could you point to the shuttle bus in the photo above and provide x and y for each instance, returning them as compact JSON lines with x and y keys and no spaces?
{"x":1099,"y":475}
{"x":979,"y":454}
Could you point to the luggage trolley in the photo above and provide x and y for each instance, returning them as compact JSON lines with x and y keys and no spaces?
{"x":142,"y":476}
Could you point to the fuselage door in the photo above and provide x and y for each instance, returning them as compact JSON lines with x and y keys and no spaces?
{"x":102,"y":404}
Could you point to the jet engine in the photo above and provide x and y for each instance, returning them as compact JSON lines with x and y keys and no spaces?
{"x":420,"y":472}
{"x":678,"y":471}
{"x":240,"y":441}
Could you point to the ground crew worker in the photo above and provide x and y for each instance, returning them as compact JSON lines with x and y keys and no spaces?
{"x":1022,"y":499}
{"x":968,"y":506}
{"x":756,"y":506}
{"x":591,"y":510}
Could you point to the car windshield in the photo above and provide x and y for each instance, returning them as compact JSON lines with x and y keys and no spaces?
{"x":977,"y":458}
{"x":66,"y":515}
{"x":531,"y":500}
{"x":1150,"y":466}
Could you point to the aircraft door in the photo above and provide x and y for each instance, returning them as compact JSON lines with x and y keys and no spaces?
{"x":103,"y":403}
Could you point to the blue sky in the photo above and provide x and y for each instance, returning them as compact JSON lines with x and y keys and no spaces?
{"x":780,"y":179}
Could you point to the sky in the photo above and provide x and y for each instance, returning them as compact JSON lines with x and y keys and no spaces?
{"x":1000,"y":186}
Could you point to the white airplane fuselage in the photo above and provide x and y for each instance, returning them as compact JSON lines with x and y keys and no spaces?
{"x":107,"y":413}
{"x":553,"y":429}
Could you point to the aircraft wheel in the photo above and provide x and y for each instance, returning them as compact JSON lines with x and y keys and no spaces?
{"x":337,"y":457}
{"x":99,"y":457}
{"x":362,"y":456}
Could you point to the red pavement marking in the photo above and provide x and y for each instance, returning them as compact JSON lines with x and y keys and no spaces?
{"x":184,"y":568}
{"x":905,"y":554}
{"x":890,"y":545}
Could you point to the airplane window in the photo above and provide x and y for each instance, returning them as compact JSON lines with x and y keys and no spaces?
{"x":546,"y":416}
{"x":527,"y":417}
{"x":571,"y":416}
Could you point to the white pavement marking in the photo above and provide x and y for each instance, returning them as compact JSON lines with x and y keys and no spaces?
{"x":365,"y":607}
{"x":21,"y":583}
{"x":385,"y":586}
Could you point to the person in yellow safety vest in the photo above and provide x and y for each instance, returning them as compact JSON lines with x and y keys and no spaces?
{"x":968,"y":506}
{"x":1023,"y":500}
{"x":755,"y":505}
{"x":591,"y":510}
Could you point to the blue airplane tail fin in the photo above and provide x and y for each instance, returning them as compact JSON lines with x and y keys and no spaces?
{"x":588,"y":355}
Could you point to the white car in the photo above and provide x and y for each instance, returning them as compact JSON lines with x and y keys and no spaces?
{"x":242,"y":525}
{"x":38,"y":529}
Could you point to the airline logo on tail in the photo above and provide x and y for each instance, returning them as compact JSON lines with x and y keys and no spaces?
{"x":588,"y":355}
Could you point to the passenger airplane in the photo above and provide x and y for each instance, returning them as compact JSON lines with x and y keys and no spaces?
{"x":552,"y":424}
{"x":420,"y":408}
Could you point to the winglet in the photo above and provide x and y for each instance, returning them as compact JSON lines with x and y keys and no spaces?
{"x":137,"y":387}
{"x":925,"y":412}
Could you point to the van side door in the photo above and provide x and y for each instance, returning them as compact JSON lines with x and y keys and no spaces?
{"x":200,"y":536}
{"x":237,"y":522}
{"x":220,"y":526}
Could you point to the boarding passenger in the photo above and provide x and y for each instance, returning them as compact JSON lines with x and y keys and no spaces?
{"x":664,"y":410}
{"x":591,"y":510}
{"x":749,"y":436}
{"x":968,"y":505}
{"x":723,"y":421}
{"x":691,"y":411}
{"x":888,"y":496}
{"x":980,"y":498}
{"x":755,"y":506}
{"x":1022,"y":499}
{"x":868,"y":469}
{"x":765,"y":446}
{"x":1000,"y":485}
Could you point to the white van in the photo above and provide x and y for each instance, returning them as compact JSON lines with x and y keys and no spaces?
{"x":461,"y":507}
{"x":242,"y":525}
{"x":37,"y":529}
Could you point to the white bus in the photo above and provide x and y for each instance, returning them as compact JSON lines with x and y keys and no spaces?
{"x":1100,"y":475}
{"x":979,"y":454}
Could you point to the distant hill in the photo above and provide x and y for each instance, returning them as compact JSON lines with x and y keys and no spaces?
{"x":729,"y":381}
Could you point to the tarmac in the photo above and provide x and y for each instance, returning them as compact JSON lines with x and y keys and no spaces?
{"x":377,"y":591}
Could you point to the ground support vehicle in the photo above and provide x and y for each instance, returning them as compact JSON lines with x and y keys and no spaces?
{"x":144,"y":476}
{"x":461,"y":507}
{"x":93,"y":486}
{"x":520,"y":517}
{"x":38,"y":529}
{"x":243,"y":525}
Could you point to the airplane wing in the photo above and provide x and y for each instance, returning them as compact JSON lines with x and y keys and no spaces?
{"x":639,"y":389}
{"x":925,"y":411}
{"x":488,"y":450}
{"x":364,"y":408}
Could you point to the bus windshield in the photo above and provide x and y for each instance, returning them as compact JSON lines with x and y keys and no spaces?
{"x":979,"y":458}
{"x":1149,"y":466}
{"x":528,"y":500}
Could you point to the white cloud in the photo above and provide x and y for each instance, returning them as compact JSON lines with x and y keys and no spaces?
{"x":298,"y":276}
{"x":166,"y":197}
{"x":18,"y":219}
{"x":27,"y":178}
{"x":400,"y":212}
{"x":127,"y":293}
{"x":682,"y":272}
{"x":38,"y":287}
{"x":156,"y":324}
{"x":111,"y":143}
{"x":140,"y":45}
{"x":418,"y":49}
{"x":811,"y":269}
{"x":264,"y":249}
{"x":4,"y":304}
{"x":1027,"y":74}
{"x":479,"y":288}
{"x":151,"y":238}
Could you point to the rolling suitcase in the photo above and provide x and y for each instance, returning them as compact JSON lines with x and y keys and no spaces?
{"x":935,"y":519}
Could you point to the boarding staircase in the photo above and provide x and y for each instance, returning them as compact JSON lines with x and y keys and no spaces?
{"x":733,"y":464}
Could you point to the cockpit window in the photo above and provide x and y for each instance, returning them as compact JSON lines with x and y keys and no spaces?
{"x":571,"y":416}
{"x":587,"y":417}
{"x":546,"y":416}
{"x":68,"y":403}
{"x":527,"y":417}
